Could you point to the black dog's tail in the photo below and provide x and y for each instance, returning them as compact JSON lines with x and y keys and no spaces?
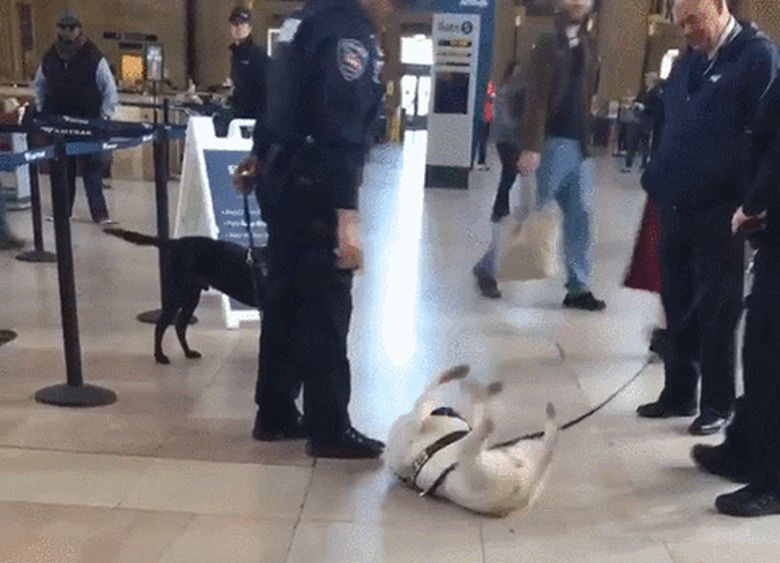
{"x":134,"y":237}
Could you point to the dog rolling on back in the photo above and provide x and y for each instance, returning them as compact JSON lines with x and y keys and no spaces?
{"x":435,"y":450}
{"x":195,"y":264}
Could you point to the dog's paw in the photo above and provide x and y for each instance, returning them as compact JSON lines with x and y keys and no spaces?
{"x":495,"y":388}
{"x":162,"y":359}
{"x":193,"y":354}
{"x":550,"y":410}
{"x":452,"y":374}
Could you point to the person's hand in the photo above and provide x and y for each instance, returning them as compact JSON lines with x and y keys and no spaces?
{"x":245,"y":172}
{"x":528,"y":162}
{"x":741,"y":222}
{"x":349,"y":249}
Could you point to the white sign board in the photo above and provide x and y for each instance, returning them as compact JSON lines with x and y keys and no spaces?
{"x":208,"y":205}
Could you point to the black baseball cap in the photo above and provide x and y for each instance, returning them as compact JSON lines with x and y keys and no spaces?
{"x":69,"y":17}
{"x":240,"y":15}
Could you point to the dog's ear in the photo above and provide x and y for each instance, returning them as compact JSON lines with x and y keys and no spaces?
{"x":495,"y":388}
{"x":452,"y":374}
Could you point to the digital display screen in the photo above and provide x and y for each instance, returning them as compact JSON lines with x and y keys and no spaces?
{"x":451,"y":92}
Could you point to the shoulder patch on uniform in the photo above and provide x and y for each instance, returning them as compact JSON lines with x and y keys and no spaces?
{"x":288,"y":30}
{"x":352,"y":58}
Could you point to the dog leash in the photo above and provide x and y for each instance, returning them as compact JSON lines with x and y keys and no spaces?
{"x":250,"y":255}
{"x":569,"y":424}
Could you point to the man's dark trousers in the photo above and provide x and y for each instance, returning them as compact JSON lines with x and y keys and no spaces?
{"x":702,"y":285}
{"x":92,"y":172}
{"x":761,"y":374}
{"x":306,"y":314}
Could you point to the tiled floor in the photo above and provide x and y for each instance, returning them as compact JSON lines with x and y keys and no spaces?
{"x":170,"y":472}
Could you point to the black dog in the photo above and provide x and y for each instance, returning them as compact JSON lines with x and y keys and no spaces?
{"x":195,"y":264}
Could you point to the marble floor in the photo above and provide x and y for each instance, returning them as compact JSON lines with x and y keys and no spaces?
{"x":170,"y":473}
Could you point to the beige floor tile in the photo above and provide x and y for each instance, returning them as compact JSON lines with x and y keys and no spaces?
{"x":211,"y":539}
{"x":361,"y":542}
{"x":68,"y":478}
{"x":220,"y":488}
{"x":34,"y":532}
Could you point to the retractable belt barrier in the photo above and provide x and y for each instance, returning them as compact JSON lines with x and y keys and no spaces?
{"x":72,"y":137}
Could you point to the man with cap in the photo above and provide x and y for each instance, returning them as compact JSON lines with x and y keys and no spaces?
{"x":248,"y":66}
{"x":307,"y":159}
{"x":74,"y":79}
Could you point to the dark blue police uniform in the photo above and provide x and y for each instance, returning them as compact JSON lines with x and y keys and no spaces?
{"x":248,"y":68}
{"x":322,"y":103}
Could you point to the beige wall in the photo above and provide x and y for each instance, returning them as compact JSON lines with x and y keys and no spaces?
{"x":766,"y":13}
{"x":622,"y":37}
{"x":165,"y":19}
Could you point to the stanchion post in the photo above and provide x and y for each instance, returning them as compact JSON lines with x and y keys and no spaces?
{"x":160,"y":150}
{"x":38,"y":254}
{"x":74,"y":393}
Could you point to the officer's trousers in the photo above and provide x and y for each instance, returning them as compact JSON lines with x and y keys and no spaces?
{"x":702,"y":272}
{"x":306,"y":314}
{"x":761,"y":373}
{"x":92,"y":172}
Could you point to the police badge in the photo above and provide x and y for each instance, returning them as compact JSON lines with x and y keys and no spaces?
{"x":352,"y":59}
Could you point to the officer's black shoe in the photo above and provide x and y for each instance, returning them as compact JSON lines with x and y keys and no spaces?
{"x":657,"y":410}
{"x":487,"y":284}
{"x":749,"y":501}
{"x":709,"y":422}
{"x":717,"y":461}
{"x":293,"y":431}
{"x":584,"y":301}
{"x":350,"y":445}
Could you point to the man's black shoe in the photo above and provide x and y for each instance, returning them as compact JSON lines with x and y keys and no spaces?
{"x":350,"y":445}
{"x":749,"y":501}
{"x":657,"y":410}
{"x":295,"y":431}
{"x":584,"y":301}
{"x":488,"y":286}
{"x":709,"y":422}
{"x":658,"y":340}
{"x":716,"y":460}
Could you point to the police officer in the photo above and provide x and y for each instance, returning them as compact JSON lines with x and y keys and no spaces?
{"x":759,"y":438}
{"x":248,"y":66}
{"x":307,"y":159}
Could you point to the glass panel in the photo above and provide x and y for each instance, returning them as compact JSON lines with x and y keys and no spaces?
{"x":417,"y":50}
{"x":408,"y":89}
{"x":423,"y":95}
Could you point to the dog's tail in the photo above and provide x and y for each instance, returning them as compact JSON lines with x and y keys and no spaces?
{"x":529,"y":493}
{"x":134,"y":237}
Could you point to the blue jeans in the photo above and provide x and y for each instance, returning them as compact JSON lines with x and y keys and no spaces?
{"x":568,"y":177}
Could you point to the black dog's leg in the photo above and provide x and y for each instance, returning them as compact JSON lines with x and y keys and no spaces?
{"x":185,"y":314}
{"x":166,"y":318}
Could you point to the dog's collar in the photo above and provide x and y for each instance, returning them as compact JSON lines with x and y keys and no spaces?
{"x":426,"y":455}
{"x":439,"y":480}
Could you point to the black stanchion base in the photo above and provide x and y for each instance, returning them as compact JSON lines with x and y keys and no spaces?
{"x":37,"y":256}
{"x":75,"y":396}
{"x":152,"y":317}
{"x":6,"y":335}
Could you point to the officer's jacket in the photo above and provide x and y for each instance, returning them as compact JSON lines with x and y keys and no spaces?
{"x":323,"y":96}
{"x":248,"y":67}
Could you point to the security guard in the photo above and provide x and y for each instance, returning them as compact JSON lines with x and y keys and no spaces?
{"x":248,"y":66}
{"x":759,"y":440}
{"x":307,"y":161}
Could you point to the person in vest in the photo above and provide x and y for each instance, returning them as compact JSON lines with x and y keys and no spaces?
{"x":74,"y":79}
{"x":248,"y":66}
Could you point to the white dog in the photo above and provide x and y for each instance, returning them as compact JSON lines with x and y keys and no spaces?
{"x":436,"y":451}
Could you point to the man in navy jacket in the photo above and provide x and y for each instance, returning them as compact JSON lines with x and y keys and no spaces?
{"x":696,"y":181}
